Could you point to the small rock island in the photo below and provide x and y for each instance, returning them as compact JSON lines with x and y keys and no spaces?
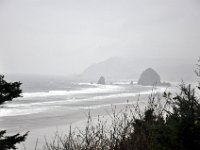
{"x":150,"y":78}
{"x":101,"y":80}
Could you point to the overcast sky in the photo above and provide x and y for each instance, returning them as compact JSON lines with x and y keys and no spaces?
{"x":66,"y":36}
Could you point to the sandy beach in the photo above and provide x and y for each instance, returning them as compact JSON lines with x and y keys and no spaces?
{"x":45,"y":125}
{"x":44,"y":114}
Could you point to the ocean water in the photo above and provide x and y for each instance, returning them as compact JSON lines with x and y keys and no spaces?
{"x":49,"y":105}
{"x":76,"y":96}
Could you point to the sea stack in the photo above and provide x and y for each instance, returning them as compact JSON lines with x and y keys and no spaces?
{"x":101,"y":80}
{"x":149,"y":77}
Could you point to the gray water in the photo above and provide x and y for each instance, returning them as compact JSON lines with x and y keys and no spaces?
{"x":45,"y":107}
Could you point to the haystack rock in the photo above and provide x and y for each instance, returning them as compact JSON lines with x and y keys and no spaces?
{"x":149,"y":77}
{"x":101,"y":80}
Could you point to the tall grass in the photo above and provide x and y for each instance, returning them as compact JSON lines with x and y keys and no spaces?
{"x":112,"y":134}
{"x":166,"y":123}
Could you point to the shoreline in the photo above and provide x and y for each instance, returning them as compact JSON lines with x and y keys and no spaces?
{"x":47,"y":129}
{"x":46,"y":124}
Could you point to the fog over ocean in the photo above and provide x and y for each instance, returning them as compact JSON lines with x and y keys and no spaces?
{"x":59,"y":49}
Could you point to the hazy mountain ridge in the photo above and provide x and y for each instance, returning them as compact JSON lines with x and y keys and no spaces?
{"x":118,"y":68}
{"x":113,"y":69}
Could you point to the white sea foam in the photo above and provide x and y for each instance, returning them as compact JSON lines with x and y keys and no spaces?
{"x":46,"y":103}
{"x":76,"y":100}
{"x":16,"y":112}
{"x":99,"y":89}
{"x":117,"y":95}
{"x":91,"y":84}
{"x":124,"y":83}
{"x":26,"y":107}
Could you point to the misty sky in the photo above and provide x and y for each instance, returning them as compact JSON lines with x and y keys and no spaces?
{"x":66,"y":36}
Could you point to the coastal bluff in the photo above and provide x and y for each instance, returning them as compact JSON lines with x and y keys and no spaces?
{"x":101,"y":80}
{"x":150,"y":77}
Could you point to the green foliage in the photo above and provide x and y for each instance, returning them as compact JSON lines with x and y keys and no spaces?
{"x":9,"y":142}
{"x":8,"y":91}
{"x":167,"y":123}
{"x":177,"y":128}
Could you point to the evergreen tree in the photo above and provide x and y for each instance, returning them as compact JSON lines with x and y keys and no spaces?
{"x":9,"y":91}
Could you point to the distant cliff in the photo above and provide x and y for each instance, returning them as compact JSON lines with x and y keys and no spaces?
{"x":119,"y":68}
{"x":151,"y":77}
{"x":113,"y":69}
{"x":101,"y":80}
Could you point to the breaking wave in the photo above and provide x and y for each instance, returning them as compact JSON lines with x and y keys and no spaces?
{"x":98,"y":89}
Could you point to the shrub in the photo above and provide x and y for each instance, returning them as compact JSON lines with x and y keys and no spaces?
{"x":167,"y":123}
